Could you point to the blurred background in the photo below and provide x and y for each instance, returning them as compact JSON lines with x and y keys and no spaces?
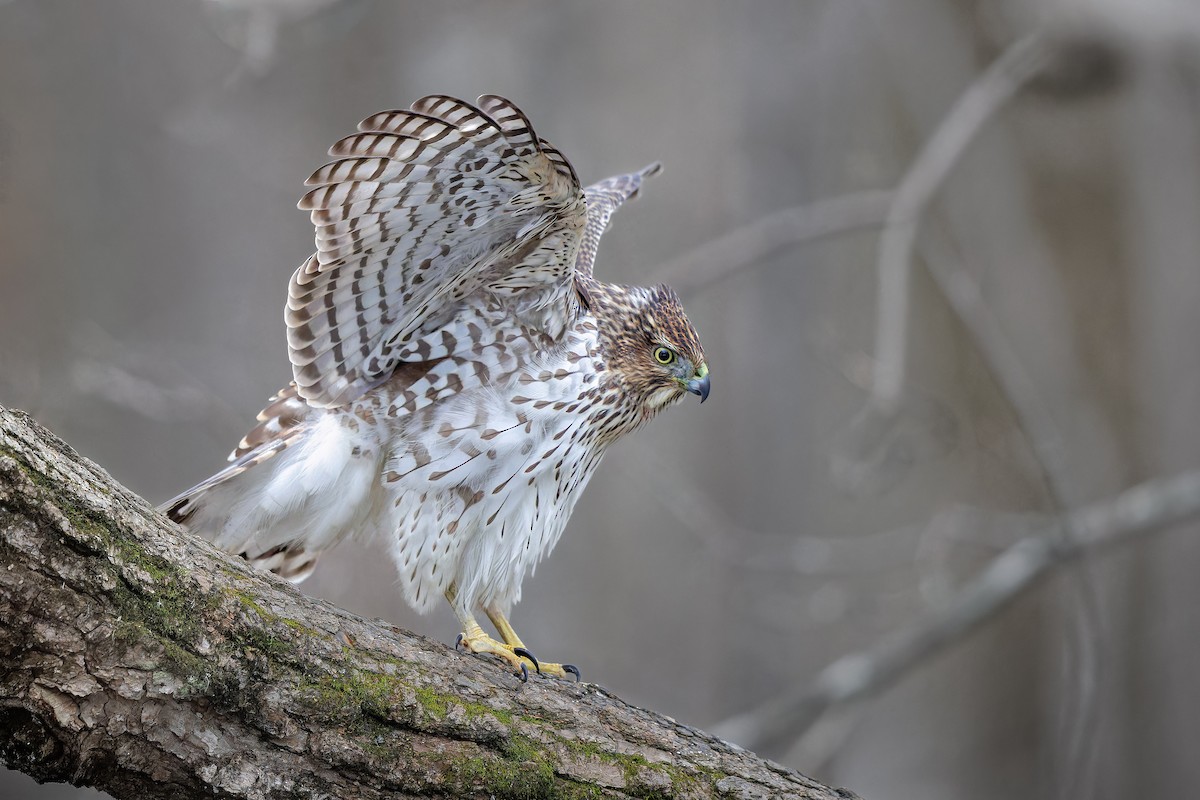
{"x":1036,"y":356}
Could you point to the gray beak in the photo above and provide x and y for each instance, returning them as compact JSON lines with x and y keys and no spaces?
{"x":699,"y":386}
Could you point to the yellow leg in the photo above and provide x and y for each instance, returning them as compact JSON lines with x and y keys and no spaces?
{"x":511,"y":649}
{"x":474,"y":640}
{"x":505,"y":629}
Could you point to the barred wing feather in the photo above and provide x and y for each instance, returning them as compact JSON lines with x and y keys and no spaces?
{"x":603,"y":199}
{"x":423,"y":210}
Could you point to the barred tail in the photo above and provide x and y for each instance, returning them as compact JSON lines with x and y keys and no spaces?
{"x":292,"y":561}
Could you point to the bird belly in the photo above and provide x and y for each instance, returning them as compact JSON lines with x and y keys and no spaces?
{"x":482,"y":491}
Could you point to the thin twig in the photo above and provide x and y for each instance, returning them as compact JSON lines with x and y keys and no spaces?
{"x":727,"y":541}
{"x":1142,"y":509}
{"x":747,"y":246}
{"x":973,"y":109}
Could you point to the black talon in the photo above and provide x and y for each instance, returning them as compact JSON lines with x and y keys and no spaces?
{"x":521,"y":651}
{"x":571,"y":668}
{"x":524,"y":673}
{"x":458,"y":641}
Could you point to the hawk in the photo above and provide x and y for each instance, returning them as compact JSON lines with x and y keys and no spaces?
{"x":458,"y":370}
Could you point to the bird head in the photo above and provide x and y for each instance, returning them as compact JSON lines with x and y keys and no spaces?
{"x":654,"y":349}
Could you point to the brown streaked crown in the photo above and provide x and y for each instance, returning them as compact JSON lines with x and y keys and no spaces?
{"x":633,"y":321}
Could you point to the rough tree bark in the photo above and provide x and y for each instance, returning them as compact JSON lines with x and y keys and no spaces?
{"x":137,"y":659}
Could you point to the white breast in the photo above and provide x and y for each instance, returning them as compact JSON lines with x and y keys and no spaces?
{"x":483,"y":483}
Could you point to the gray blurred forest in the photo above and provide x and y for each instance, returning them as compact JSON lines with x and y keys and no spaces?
{"x":815,"y":562}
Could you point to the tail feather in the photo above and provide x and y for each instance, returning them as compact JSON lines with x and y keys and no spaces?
{"x":281,"y":424}
{"x":289,"y":561}
{"x":183,"y":506}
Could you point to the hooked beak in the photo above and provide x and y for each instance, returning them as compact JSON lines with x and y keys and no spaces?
{"x":699,"y":384}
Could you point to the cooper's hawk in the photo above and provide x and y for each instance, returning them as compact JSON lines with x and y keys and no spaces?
{"x":458,"y":371}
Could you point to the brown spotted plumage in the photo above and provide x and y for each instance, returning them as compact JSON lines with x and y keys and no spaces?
{"x":459,"y":372}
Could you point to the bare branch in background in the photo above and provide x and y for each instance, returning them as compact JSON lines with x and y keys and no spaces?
{"x":726,"y":540}
{"x":1021,"y":63}
{"x":1142,"y":509}
{"x":745,"y":247}
{"x":1027,"y":59}
{"x":1045,"y":440}
{"x":921,"y":183}
{"x":874,"y":451}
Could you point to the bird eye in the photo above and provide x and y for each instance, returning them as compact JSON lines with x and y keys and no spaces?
{"x":664,"y":355}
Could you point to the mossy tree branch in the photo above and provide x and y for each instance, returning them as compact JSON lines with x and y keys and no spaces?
{"x":137,"y":659}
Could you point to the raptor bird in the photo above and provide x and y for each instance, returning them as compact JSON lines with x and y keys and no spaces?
{"x":458,"y":371}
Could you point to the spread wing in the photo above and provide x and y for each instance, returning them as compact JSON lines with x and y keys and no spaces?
{"x":603,"y":198}
{"x":423,"y":209}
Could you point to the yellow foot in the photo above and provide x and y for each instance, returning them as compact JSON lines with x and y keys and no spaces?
{"x":518,"y":658}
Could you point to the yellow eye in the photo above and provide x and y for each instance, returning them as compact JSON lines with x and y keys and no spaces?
{"x":664,"y":355}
